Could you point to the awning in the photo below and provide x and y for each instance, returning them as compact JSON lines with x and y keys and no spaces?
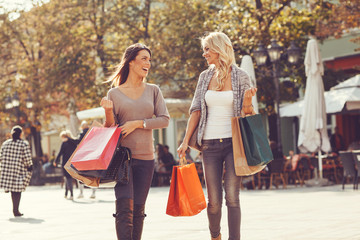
{"x":176,"y":108}
{"x":345,"y":95}
{"x":93,"y":113}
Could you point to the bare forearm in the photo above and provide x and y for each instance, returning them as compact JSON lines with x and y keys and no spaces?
{"x":192,"y":124}
{"x":158,"y":122}
{"x":109,"y":118}
{"x":248,"y":109}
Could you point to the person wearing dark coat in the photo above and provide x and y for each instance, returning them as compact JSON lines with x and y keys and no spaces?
{"x":337,"y":141}
{"x":67,"y":148}
{"x":84,"y":127}
{"x":167,"y":159}
{"x":15,"y":167}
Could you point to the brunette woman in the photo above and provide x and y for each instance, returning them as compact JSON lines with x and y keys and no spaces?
{"x":138,"y":107}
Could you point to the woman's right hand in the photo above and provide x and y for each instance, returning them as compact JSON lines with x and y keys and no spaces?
{"x":181,"y":149}
{"x":106,"y":104}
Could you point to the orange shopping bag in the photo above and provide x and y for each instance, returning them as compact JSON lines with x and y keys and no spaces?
{"x":186,"y":196}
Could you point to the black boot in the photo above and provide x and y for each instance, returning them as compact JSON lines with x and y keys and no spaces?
{"x":124,"y":218}
{"x":15,"y":196}
{"x":139,"y":215}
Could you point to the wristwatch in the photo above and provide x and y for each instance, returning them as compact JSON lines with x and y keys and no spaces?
{"x":144,"y":124}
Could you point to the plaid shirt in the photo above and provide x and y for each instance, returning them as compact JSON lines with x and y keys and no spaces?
{"x":240,"y":81}
{"x":15,"y":158}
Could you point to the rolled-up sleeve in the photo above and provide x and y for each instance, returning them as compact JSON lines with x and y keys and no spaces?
{"x":196,"y":102}
{"x":162,"y":117}
{"x":245,"y":84}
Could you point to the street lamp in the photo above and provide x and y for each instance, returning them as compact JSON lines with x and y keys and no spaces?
{"x":274,"y":51}
{"x":13,"y":103}
{"x":293,"y":53}
{"x":8,"y":103}
{"x":29,"y":102}
{"x":15,"y":100}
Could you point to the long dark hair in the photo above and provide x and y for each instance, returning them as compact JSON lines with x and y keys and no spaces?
{"x":122,"y":70}
{"x":16,"y":132}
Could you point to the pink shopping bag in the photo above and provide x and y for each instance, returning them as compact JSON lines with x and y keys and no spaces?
{"x":96,"y":149}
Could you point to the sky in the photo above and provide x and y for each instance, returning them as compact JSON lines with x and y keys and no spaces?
{"x":16,"y":4}
{"x":11,"y":5}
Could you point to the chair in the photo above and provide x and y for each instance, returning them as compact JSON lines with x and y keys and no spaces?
{"x":301,"y":172}
{"x":262,"y":178}
{"x":348,"y":163}
{"x":304,"y":168}
{"x":277,"y":172}
{"x":315,"y":163}
{"x":248,"y":182}
{"x":356,"y":157}
{"x":330,"y":169}
{"x":162,"y":178}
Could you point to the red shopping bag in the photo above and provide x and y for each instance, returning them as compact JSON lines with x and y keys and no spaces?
{"x":186,"y":196}
{"x":96,"y":149}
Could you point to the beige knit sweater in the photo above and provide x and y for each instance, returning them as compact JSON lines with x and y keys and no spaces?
{"x":151,"y":107}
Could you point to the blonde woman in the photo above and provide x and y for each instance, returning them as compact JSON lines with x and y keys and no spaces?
{"x":223,"y":90}
{"x":67,"y":148}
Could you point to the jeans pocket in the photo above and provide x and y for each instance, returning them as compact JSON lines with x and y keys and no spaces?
{"x":204,"y":147}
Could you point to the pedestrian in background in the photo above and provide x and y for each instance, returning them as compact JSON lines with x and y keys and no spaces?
{"x":67,"y":148}
{"x":132,"y":103}
{"x":337,"y":142}
{"x":15,"y":167}
{"x":84,"y":128}
{"x":168,"y":160}
{"x":222,"y":91}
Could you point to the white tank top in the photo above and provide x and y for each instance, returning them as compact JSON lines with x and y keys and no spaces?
{"x":219,"y":113}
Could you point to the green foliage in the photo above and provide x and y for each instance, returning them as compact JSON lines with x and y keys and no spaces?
{"x":177,"y":29}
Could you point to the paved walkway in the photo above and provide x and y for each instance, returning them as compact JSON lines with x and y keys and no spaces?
{"x":296,"y":213}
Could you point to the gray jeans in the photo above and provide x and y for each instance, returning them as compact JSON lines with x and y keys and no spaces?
{"x":217,"y":154}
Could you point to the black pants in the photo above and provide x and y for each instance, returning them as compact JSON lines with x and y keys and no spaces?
{"x":15,"y":197}
{"x":141,"y":174}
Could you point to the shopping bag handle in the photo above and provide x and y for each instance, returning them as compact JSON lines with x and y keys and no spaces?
{"x":182,"y":161}
{"x":119,"y":139}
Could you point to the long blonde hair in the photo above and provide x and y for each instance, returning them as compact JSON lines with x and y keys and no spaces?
{"x":220,"y":43}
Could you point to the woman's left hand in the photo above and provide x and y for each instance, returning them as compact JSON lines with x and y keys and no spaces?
{"x":130,"y":126}
{"x":249,"y":93}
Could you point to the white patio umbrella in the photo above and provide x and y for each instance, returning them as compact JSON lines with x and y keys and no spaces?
{"x":248,"y":66}
{"x":313,"y":133}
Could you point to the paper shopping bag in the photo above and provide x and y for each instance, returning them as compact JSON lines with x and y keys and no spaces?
{"x":256,"y":143}
{"x":193,"y":144}
{"x":186,"y":196}
{"x":88,"y":181}
{"x":241,"y":166}
{"x":96,"y":149}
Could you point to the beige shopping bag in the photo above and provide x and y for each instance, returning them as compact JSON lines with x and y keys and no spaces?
{"x":241,"y":166}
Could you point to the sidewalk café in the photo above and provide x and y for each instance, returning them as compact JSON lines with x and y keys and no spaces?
{"x":343,"y":111}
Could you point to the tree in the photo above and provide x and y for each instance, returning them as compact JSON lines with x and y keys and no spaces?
{"x":176,"y":31}
{"x":62,"y":51}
